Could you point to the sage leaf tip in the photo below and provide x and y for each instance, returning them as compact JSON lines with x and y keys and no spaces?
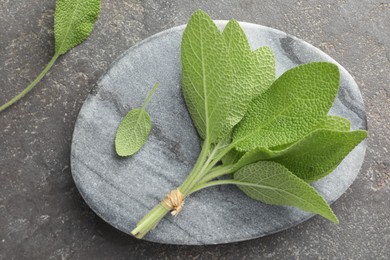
{"x":233,"y":23}
{"x":200,"y":12}
{"x":334,"y":218}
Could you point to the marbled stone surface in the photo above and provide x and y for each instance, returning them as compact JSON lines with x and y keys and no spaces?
{"x":122,"y":190}
{"x":43,"y":216}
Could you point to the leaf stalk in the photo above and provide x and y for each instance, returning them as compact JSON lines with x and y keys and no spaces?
{"x":149,"y":96}
{"x":32,"y":85}
{"x":194,"y":182}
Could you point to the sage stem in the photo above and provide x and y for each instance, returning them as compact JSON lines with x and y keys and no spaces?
{"x":32,"y":85}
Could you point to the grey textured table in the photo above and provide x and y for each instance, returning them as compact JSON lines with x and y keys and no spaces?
{"x":41,"y":212}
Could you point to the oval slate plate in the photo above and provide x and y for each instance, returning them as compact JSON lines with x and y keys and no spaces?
{"x":122,"y":190}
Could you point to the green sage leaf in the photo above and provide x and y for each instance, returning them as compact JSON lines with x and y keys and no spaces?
{"x":291,"y":108}
{"x":73,"y":22}
{"x":253,"y":72}
{"x":332,"y":123}
{"x":311,"y":158}
{"x":133,"y":132}
{"x":134,"y":129}
{"x":206,"y":77}
{"x":272,"y":183}
{"x":320,"y":153}
{"x":234,"y":156}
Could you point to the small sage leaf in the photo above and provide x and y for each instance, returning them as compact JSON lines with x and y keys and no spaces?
{"x":73,"y":22}
{"x":134,"y":129}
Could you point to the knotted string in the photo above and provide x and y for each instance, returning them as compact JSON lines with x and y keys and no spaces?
{"x":174,"y":201}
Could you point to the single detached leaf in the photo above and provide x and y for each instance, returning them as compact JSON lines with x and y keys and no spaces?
{"x":133,"y":132}
{"x":134,"y":129}
{"x":320,"y":153}
{"x":272,"y":183}
{"x":73,"y":22}
{"x":206,"y":77}
{"x":253,"y":72}
{"x":292,"y":107}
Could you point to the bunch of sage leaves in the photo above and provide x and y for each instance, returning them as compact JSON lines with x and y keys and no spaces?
{"x":271,"y":136}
